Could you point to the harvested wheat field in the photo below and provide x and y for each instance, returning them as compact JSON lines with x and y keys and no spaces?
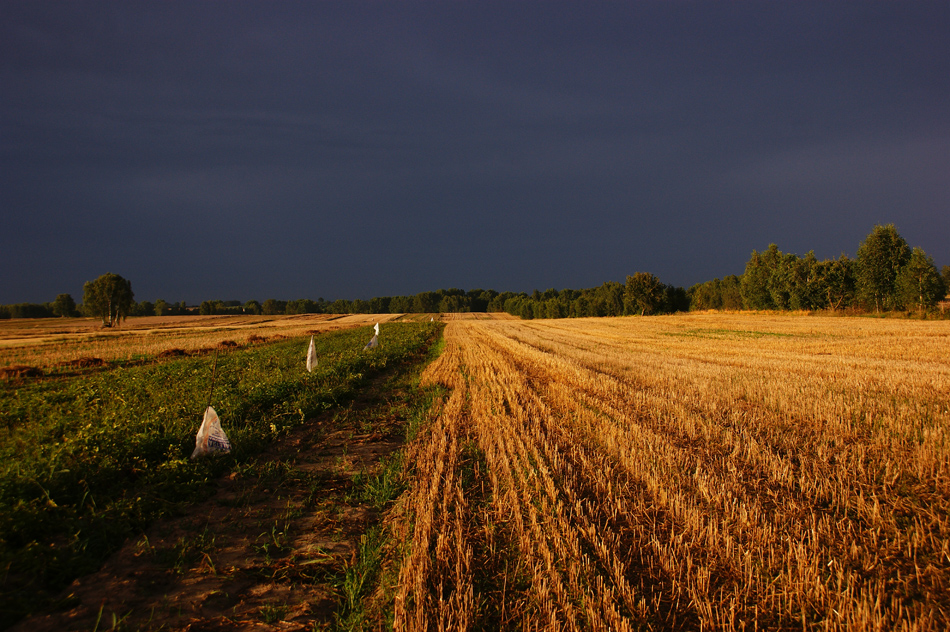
{"x":67,"y":342}
{"x":682,"y":472}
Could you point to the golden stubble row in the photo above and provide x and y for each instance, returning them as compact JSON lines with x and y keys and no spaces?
{"x":722,"y":472}
{"x":76,"y":339}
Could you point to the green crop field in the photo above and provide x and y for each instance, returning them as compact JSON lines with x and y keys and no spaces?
{"x":90,"y":459}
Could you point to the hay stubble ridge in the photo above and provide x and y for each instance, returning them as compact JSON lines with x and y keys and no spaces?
{"x":708,"y":471}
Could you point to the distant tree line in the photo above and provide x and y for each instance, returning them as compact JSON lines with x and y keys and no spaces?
{"x":108,"y":297}
{"x":450,"y":300}
{"x":886,"y":275}
{"x":642,"y":294}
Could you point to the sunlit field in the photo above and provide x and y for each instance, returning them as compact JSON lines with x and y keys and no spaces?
{"x":683,"y":472}
{"x":51,"y":342}
{"x":90,"y":458}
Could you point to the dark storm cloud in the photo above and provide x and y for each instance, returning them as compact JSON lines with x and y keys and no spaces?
{"x":248,"y":150}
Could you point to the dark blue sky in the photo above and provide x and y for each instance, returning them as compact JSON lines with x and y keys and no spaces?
{"x":241,"y":150}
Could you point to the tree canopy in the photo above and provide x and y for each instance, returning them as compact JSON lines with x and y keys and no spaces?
{"x":919,"y":284}
{"x":643,"y":294}
{"x":64,"y":306}
{"x":880,"y":258}
{"x":109,"y":297}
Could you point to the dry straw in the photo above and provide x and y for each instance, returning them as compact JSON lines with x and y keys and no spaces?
{"x":714,"y":471}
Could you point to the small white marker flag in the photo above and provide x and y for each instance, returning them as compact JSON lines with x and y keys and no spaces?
{"x":211,"y":437}
{"x":311,"y":356}
{"x":376,"y":329}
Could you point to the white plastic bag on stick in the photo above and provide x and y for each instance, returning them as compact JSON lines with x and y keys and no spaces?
{"x":311,"y":356}
{"x":372,"y":343}
{"x":211,"y":437}
{"x":376,"y":329}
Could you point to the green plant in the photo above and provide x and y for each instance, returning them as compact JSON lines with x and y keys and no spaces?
{"x":359,"y":578}
{"x":274,"y":612}
{"x":89,"y":460}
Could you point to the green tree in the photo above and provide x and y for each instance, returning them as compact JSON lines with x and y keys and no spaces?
{"x":755,"y":280}
{"x":552,"y":309}
{"x":497,"y":303}
{"x":449,"y":304}
{"x":252,"y":307}
{"x":480,"y":299}
{"x":580,"y":306}
{"x":339,"y":306}
{"x":379,"y":304}
{"x":805,"y":282}
{"x":643,"y":294}
{"x":837,"y":282}
{"x":302,"y":306}
{"x":426,"y":302}
{"x":716,"y":294}
{"x":29,"y":310}
{"x":782,"y":267}
{"x":400,"y":305}
{"x":64,"y":305}
{"x":161,"y":307}
{"x":109,"y":297}
{"x":919,"y":283}
{"x":272,"y":307}
{"x":607,"y":299}
{"x":880,"y":259}
{"x":706,"y":295}
{"x":730,"y":287}
{"x":144,"y":308}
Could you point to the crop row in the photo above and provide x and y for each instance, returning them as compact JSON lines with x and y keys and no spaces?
{"x":88,"y":460}
{"x":675,"y":473}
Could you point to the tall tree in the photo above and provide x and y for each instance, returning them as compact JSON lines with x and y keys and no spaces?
{"x":755,"y":279}
{"x":730,"y":287}
{"x":64,"y":305}
{"x":880,"y":259}
{"x":643,"y":294}
{"x":108,"y":297}
{"x":805,"y":283}
{"x":919,"y":283}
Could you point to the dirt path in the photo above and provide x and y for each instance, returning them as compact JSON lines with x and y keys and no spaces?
{"x":270,"y":549}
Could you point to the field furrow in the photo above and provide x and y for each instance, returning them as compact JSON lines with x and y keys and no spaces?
{"x":675,"y":473}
